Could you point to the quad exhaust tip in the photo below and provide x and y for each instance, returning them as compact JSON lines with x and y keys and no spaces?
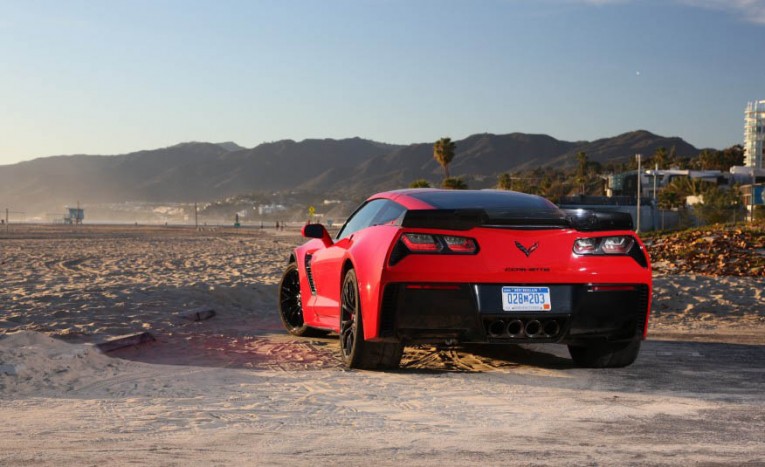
{"x":533,"y":328}
{"x":497,"y":328}
{"x":515,"y":328}
{"x":518,"y":329}
{"x":551,"y":328}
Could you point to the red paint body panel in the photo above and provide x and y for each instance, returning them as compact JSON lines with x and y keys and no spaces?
{"x":499,"y":261}
{"x":322,"y":310}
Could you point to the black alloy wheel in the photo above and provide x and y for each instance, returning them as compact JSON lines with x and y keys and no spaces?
{"x":349,"y":324}
{"x":291,"y":305}
{"x":355,"y":351}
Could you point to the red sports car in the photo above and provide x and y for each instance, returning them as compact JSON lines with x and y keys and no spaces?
{"x":460,"y":266}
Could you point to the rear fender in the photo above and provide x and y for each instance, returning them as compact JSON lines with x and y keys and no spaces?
{"x":368,"y":253}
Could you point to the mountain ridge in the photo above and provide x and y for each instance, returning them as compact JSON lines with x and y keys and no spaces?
{"x":351,"y":167}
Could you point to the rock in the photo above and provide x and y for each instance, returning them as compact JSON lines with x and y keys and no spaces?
{"x":127,"y":340}
{"x":198,"y":314}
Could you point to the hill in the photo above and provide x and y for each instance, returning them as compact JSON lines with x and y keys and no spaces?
{"x":353,"y":167}
{"x":635,"y":142}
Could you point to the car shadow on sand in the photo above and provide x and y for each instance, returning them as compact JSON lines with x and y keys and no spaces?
{"x":245,"y":332}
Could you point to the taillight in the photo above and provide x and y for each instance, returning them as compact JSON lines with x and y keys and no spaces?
{"x":620,"y":245}
{"x":616,"y":245}
{"x":585,"y":246}
{"x":421,"y":243}
{"x":461,"y":244}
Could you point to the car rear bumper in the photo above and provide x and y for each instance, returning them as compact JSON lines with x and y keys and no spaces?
{"x":472,"y":313}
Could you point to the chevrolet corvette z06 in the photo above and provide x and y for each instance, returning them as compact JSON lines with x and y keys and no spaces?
{"x":470,"y":266}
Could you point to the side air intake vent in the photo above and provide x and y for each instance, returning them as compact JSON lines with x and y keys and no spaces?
{"x":310,"y":274}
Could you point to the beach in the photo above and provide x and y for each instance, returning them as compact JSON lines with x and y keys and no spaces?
{"x":235,"y":388}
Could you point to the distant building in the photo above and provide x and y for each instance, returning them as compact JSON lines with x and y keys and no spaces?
{"x":625,"y":184}
{"x":270,"y":208}
{"x":754,"y":134}
{"x":74,"y":216}
{"x":752,"y":180}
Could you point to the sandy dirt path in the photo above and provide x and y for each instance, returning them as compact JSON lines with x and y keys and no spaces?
{"x":236,"y":389}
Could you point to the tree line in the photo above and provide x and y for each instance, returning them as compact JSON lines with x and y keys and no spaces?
{"x":587,"y":177}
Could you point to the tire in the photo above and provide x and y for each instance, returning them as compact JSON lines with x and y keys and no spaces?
{"x":605,"y":354}
{"x":354,"y":350}
{"x":291,"y":306}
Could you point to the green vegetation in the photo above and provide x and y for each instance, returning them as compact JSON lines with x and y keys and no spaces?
{"x":420,"y":183}
{"x":719,"y":160}
{"x":505,"y":182}
{"x":454,"y":183}
{"x":443,"y":153}
{"x":707,"y":159}
{"x":581,"y":171}
{"x":586,"y":177}
{"x":720,"y":206}
{"x":550,"y":183}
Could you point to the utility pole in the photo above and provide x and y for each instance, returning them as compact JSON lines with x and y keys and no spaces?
{"x":639,"y":183}
{"x":751,"y":200}
{"x":196,"y":218}
{"x":7,"y":223}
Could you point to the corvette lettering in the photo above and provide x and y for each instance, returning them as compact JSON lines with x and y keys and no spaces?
{"x":527,"y":269}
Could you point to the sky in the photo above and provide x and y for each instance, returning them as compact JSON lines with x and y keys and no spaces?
{"x":112,"y":77}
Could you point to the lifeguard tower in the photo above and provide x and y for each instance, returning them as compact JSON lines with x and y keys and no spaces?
{"x":74,"y":216}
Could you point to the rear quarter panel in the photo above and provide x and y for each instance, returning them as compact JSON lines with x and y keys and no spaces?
{"x":367,"y":252}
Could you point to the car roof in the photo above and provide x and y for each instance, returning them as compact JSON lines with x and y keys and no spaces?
{"x":429,"y":198}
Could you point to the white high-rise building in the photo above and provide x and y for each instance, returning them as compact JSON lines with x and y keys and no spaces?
{"x":754,"y":134}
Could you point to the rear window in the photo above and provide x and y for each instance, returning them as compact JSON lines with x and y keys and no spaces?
{"x":500,"y":206}
{"x":485,"y":199}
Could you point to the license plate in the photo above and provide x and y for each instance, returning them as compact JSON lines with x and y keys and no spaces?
{"x":526,"y":299}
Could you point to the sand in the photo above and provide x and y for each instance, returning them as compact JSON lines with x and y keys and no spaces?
{"x":236,"y":389}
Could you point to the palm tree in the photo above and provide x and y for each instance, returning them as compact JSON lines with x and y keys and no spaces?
{"x":581,"y":171}
{"x":675,"y":194}
{"x":660,"y":157}
{"x":443,"y":153}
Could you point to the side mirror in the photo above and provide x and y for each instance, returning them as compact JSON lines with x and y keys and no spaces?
{"x":317,"y":231}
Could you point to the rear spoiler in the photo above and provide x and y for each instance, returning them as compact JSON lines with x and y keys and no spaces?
{"x":466,"y":219}
{"x":588,"y":220}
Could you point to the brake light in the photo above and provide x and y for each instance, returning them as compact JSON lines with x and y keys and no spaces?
{"x":461,"y":244}
{"x":585,"y":246}
{"x":618,"y":245}
{"x":421,"y":243}
{"x":442,"y":244}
